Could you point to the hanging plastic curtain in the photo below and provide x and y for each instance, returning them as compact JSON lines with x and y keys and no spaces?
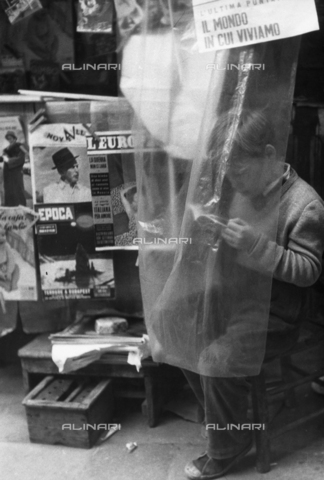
{"x":217,"y":123}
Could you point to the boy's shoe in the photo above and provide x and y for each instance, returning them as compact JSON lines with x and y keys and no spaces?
{"x":207,"y":468}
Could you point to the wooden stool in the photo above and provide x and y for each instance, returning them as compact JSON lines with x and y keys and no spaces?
{"x":312,"y":336}
{"x":36,"y":359}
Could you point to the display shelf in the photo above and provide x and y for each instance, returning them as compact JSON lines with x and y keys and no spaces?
{"x":20,"y":98}
{"x":64,"y":95}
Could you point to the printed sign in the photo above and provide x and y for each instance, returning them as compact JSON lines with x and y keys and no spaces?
{"x":113,"y":188}
{"x":222,"y":24}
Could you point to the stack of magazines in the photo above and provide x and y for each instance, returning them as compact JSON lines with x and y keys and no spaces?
{"x":79,"y":344}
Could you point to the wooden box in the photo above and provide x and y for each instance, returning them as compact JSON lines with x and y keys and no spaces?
{"x":69,"y":411}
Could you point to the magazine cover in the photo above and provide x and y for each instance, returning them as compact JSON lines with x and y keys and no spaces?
{"x":19,"y":9}
{"x":46,"y":36}
{"x":70,"y":267}
{"x":113,"y":188}
{"x":17,"y":256}
{"x":14,"y":162}
{"x":95,"y":16}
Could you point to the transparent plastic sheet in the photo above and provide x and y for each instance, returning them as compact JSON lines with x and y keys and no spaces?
{"x":206,"y":303}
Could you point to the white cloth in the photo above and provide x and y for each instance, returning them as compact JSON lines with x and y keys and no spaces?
{"x":62,"y":192}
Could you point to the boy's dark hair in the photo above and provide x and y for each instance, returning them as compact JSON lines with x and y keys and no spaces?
{"x":254,"y":132}
{"x":247,"y":133}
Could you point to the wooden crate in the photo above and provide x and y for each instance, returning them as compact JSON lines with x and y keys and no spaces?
{"x":69,"y":411}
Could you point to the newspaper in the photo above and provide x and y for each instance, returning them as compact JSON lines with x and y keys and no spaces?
{"x":17,"y":256}
{"x":113,"y":187}
{"x":69,"y":265}
{"x":95,"y":16}
{"x":71,"y":357}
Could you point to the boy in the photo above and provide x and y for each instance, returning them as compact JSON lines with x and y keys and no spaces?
{"x":258,"y":180}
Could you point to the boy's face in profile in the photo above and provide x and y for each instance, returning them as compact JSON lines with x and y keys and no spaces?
{"x":250,"y":175}
{"x":245,"y":174}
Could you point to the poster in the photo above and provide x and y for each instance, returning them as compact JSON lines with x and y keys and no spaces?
{"x":46,"y":36}
{"x":15,"y":185}
{"x":113,"y":188}
{"x":221,"y":24}
{"x":70,"y":267}
{"x":17,"y":255}
{"x":95,"y":16}
{"x":19,"y":9}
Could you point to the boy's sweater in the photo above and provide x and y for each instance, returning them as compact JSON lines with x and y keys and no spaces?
{"x":296,"y":255}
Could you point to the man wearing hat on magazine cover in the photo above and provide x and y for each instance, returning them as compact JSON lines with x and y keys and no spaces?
{"x":66,"y":189}
{"x":13,"y":159}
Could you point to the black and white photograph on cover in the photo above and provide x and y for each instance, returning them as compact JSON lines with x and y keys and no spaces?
{"x":15,"y":181}
{"x":17,"y":254}
{"x":69,"y":266}
{"x":95,"y":16}
{"x":61,"y":175}
{"x":20,"y":9}
{"x":60,"y":167}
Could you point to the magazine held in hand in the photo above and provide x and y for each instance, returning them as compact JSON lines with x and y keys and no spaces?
{"x":70,"y":266}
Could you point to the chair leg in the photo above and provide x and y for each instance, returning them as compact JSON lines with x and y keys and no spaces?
{"x":288,"y":377}
{"x":261,"y":416}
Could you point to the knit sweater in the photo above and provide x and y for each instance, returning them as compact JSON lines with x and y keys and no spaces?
{"x":295,"y":257}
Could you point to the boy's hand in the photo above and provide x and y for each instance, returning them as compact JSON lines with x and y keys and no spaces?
{"x":239,"y":234}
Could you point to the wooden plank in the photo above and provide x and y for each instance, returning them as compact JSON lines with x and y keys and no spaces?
{"x":61,"y":95}
{"x":55,"y":390}
{"x":75,"y":392}
{"x":40,"y":347}
{"x":297,"y":423}
{"x":96,"y":392}
{"x":38,"y":389}
{"x":46,"y":366}
{"x":48,"y":404}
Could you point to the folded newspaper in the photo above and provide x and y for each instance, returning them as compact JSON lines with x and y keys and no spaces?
{"x":69,"y":357}
{"x":79,"y":344}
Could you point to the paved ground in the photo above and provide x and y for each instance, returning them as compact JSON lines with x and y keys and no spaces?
{"x":162,"y":451}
